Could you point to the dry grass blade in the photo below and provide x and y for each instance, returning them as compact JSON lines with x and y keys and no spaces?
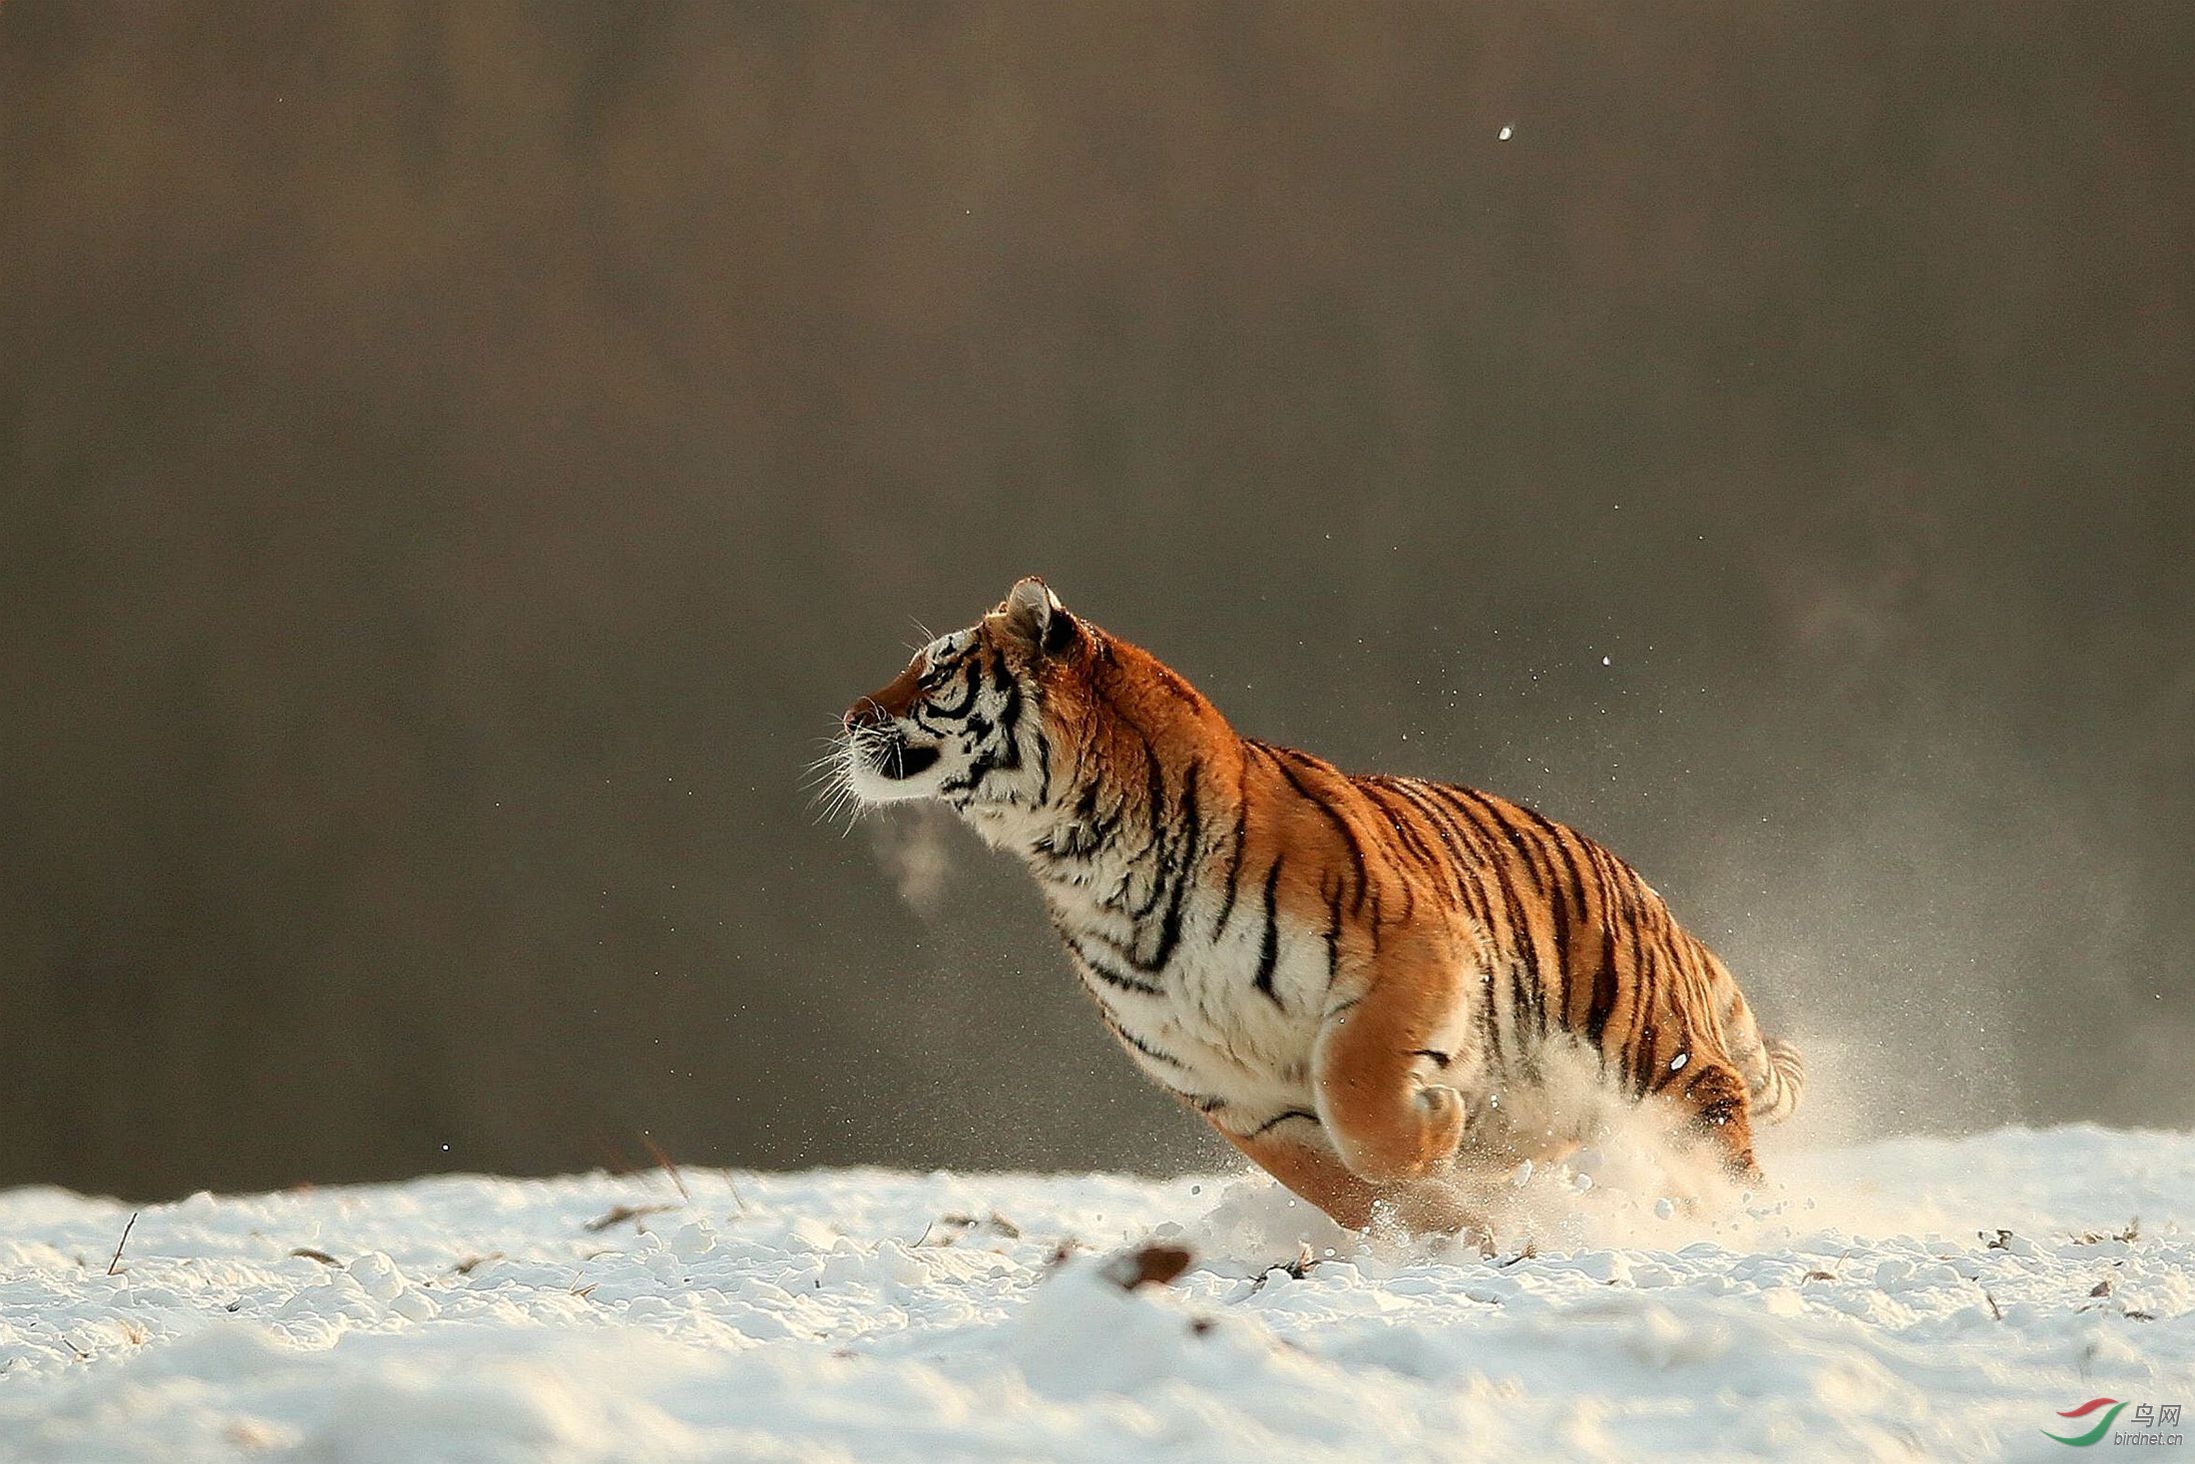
{"x":624,"y":1213}
{"x":958,"y":1224}
{"x":663,"y":1162}
{"x":125,"y":1240}
{"x":614,"y":1159}
{"x":306,"y":1252}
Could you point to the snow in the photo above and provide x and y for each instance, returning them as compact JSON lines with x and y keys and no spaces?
{"x":1919,"y":1296}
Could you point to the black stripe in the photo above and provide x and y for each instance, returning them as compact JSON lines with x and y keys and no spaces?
{"x":1380,"y":790}
{"x":1581,"y":913}
{"x":1667,"y":976}
{"x":1607,"y":979}
{"x":1525,"y":943}
{"x":1130,"y":1039}
{"x":1110,"y":977}
{"x":1489,"y":1027}
{"x":1619,"y":932}
{"x":1269,"y":951}
{"x":952,"y":714}
{"x":1461,"y":832}
{"x":1616,"y":977}
{"x":1301,"y":758}
{"x":1604,"y":1004}
{"x":1483,"y":844}
{"x":1619,"y":913}
{"x":1275,"y":1122}
{"x":1664,"y":973}
{"x":1643,"y":1058}
{"x":1462,"y":855}
{"x":982,"y":765}
{"x":1102,"y":826}
{"x":1333,"y":929}
{"x":1103,"y":661}
{"x":1155,"y":842}
{"x":1560,"y":905}
{"x":1234,"y":853}
{"x":1184,"y":865}
{"x":1569,"y":896}
{"x":1333,"y":816}
{"x":1044,"y":764}
{"x":1009,"y":728}
{"x":1608,"y":957}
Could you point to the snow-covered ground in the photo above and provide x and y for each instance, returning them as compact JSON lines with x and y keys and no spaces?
{"x":1910,"y":1298}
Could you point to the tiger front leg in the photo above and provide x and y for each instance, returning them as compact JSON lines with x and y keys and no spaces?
{"x":1718,"y":1104}
{"x":1389,"y":1124}
{"x":1300,"y":1157}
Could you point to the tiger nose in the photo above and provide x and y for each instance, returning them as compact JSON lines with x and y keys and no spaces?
{"x":865,"y":713}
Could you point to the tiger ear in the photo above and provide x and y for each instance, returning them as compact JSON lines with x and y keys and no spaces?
{"x":1035,"y":618}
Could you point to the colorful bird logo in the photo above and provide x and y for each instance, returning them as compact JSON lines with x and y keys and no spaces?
{"x":2103,"y":1425}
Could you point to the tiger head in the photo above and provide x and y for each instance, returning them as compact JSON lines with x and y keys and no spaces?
{"x":964,"y":721}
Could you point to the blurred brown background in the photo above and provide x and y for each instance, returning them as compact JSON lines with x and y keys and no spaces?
{"x":456,"y":458}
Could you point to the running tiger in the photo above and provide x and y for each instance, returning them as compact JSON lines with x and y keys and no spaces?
{"x":1354,"y":979}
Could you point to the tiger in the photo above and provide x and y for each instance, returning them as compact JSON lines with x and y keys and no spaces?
{"x":1351,"y":978}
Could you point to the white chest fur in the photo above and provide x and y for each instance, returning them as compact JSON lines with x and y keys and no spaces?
{"x":1201,"y":1024}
